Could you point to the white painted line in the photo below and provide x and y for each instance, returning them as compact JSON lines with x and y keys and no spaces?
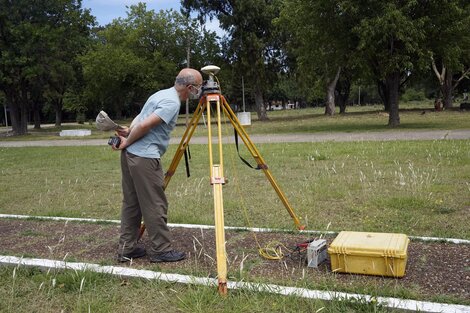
{"x":396,"y":303}
{"x":196,"y":226}
{"x":59,"y":218}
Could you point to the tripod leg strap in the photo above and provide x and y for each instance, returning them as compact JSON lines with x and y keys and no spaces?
{"x":238,"y":151}
{"x":187,"y":156}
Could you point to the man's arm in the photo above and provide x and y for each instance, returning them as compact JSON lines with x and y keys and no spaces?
{"x":139,"y":130}
{"x":124,"y":130}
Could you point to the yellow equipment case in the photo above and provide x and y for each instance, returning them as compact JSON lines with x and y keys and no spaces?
{"x":369,"y":253}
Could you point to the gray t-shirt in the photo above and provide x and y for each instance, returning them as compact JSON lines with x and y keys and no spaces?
{"x":166,"y":105}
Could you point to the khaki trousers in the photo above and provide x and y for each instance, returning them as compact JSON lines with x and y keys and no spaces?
{"x":143,"y":197}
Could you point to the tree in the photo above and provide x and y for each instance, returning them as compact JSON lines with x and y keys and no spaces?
{"x":343,"y":90}
{"x":139,"y":54}
{"x":384,"y":39}
{"x":111,"y":74}
{"x":391,"y":36}
{"x":31,"y":36}
{"x":251,"y":46}
{"x":321,"y":41}
{"x":72,"y":35}
{"x":448,"y":41}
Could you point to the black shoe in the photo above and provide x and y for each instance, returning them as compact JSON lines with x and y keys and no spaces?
{"x":137,"y":253}
{"x":170,"y":256}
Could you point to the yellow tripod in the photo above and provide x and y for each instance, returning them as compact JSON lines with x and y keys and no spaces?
{"x":212,"y":97}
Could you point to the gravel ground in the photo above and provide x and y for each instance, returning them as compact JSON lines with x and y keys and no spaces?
{"x":434,"y":270}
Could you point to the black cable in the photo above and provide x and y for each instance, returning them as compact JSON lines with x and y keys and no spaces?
{"x":238,"y":151}
{"x":187,"y":156}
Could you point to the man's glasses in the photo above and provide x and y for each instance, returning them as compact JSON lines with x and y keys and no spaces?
{"x":197,"y":87}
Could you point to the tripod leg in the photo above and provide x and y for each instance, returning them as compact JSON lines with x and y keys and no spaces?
{"x":184,"y":141}
{"x":219,"y":229}
{"x":217,"y":181}
{"x":259,"y":159}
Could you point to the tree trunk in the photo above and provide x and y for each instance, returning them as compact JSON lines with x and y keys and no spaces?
{"x":37,"y":118}
{"x":260,"y":108}
{"x":58,"y":118}
{"x":392,"y":82}
{"x":17,"y":116}
{"x":342,"y":106}
{"x":36,"y":108}
{"x":24,"y":108}
{"x":447,"y":90}
{"x":58,"y":104}
{"x":446,"y":86}
{"x":330,"y":94}
{"x":24,"y":114}
{"x":14,"y":114}
{"x":445,"y":83}
{"x":344,"y":89}
{"x":384,"y":94}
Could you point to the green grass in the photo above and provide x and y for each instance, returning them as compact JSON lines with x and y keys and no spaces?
{"x":414,"y":187}
{"x":311,"y":120}
{"x":357,"y":119}
{"x":68,"y":291}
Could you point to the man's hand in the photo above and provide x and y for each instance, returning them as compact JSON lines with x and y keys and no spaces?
{"x":122,"y":145}
{"x":123,"y":131}
{"x":130,"y":135}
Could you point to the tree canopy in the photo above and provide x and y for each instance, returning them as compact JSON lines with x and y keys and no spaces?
{"x":38,"y":44}
{"x":252,"y":47}
{"x":55,"y":59}
{"x":137,"y":55}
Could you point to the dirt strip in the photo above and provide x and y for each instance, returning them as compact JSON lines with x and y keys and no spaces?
{"x":434,"y":270}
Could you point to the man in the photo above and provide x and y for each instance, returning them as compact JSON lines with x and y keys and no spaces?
{"x":142,"y":145}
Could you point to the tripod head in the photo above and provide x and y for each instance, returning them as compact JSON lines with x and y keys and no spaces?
{"x":210,"y":86}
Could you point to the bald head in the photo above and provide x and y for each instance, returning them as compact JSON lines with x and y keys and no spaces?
{"x":188,"y":76}
{"x":187,"y":79}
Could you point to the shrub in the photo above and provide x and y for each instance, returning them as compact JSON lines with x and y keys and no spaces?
{"x":412,"y":94}
{"x":81,"y":118}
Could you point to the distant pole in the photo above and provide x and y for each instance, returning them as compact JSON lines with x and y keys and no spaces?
{"x":359,"y":100}
{"x":243,"y":94}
